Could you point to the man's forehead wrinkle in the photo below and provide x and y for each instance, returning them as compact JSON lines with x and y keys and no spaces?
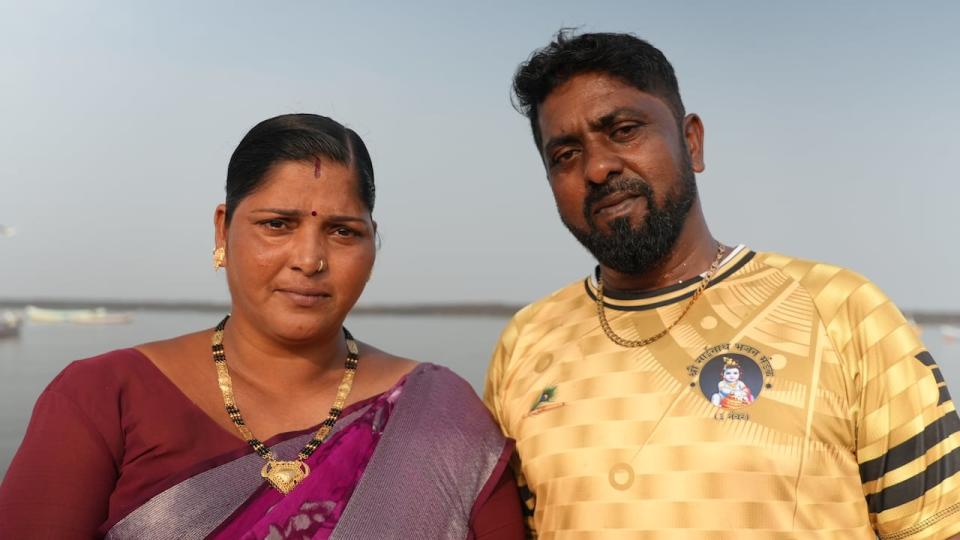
{"x":592,"y":111}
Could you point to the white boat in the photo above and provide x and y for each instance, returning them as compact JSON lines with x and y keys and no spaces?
{"x":76,"y":316}
{"x":9,"y":324}
{"x":950,"y":333}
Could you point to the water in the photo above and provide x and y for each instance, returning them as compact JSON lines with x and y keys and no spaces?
{"x":29,"y":363}
{"x":464,"y":344}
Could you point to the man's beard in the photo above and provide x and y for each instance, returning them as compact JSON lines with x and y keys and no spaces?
{"x":636,"y":250}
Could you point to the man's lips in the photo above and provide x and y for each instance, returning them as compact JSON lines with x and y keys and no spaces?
{"x":616,"y":204}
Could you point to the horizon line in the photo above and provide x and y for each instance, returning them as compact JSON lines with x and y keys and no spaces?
{"x":463,"y":308}
{"x":496,"y":309}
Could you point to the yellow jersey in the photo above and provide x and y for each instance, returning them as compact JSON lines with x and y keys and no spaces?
{"x":792,"y":401}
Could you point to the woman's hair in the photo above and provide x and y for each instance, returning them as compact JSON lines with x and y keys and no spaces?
{"x":296,"y":137}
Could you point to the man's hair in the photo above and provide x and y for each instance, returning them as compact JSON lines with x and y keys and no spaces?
{"x":624,"y":56}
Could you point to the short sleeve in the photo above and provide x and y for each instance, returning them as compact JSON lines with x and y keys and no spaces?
{"x":493,"y":397}
{"x":59,"y":483}
{"x":908,"y":431}
{"x":496,"y":374}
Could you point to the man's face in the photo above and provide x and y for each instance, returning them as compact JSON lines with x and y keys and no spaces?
{"x":620,"y":169}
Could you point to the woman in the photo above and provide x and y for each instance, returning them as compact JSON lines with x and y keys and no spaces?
{"x":164,"y":440}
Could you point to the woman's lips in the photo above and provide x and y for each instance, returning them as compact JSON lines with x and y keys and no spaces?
{"x":305,"y":298}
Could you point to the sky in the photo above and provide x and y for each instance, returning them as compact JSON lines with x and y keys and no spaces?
{"x":829,"y":136}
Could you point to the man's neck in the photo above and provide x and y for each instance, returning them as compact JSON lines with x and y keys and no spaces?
{"x":692,"y":254}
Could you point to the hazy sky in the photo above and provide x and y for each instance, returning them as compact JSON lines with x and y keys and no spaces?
{"x":830,"y":134}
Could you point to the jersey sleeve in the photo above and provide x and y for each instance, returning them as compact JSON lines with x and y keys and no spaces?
{"x":59,"y":483}
{"x":496,"y":375}
{"x":907,"y":428}
{"x":493,"y":396}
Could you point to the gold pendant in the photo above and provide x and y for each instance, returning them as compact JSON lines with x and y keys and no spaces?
{"x":285,"y":475}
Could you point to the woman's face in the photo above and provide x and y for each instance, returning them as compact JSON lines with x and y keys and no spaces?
{"x":303,"y":213}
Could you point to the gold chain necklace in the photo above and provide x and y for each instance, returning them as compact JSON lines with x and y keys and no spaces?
{"x":644,"y":342}
{"x":283,"y":475}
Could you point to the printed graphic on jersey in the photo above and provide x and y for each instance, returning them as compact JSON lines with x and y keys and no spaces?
{"x":731,"y":381}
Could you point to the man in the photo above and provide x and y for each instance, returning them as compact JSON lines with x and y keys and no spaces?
{"x":690,"y":389}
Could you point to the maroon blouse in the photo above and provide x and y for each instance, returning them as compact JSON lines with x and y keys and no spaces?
{"x":112,"y":431}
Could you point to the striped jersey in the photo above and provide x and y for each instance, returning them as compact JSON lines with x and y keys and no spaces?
{"x":792,"y":401}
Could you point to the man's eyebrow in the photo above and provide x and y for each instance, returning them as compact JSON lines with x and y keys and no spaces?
{"x":607,"y":121}
{"x":602,"y":123}
{"x":554,"y":142}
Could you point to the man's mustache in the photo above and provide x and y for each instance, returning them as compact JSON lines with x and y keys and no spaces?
{"x":632,"y":185}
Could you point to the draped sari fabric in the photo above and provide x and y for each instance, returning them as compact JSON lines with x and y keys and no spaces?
{"x":411,"y":463}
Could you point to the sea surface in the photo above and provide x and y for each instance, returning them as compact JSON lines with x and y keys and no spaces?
{"x":463,"y":343}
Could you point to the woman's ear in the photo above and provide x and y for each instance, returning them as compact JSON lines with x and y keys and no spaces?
{"x":220,"y":226}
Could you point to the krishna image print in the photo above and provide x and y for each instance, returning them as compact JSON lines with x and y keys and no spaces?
{"x":732,"y":393}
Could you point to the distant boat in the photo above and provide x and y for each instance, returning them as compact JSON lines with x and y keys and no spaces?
{"x":950,"y":333}
{"x":9,"y":324}
{"x":77,"y":316}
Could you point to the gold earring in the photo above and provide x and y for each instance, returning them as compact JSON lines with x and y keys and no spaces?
{"x":219,"y":255}
{"x":322,"y":265}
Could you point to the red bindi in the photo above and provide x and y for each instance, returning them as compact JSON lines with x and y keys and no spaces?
{"x":316,"y":168}
{"x":313,"y":213}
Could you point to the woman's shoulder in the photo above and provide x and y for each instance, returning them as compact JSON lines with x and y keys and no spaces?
{"x":423,"y":377}
{"x":166,"y":352}
{"x":443,"y":387}
{"x":378,"y":370}
{"x":101,"y":371}
{"x":176,"y":357}
{"x":114,"y":371}
{"x":91,"y":391}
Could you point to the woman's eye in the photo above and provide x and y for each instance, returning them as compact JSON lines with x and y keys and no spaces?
{"x":345,"y":232}
{"x":275,"y":224}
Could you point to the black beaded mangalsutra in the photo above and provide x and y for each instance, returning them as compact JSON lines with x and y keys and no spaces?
{"x":283,"y":475}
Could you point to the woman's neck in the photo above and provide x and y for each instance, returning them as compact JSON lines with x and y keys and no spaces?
{"x":267,"y":362}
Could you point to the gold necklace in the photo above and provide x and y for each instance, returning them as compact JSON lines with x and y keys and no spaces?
{"x":647,"y":341}
{"x":283,"y":475}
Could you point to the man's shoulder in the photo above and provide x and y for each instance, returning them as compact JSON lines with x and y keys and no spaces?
{"x":558,"y":302}
{"x":818,"y":278}
{"x":533,"y":322}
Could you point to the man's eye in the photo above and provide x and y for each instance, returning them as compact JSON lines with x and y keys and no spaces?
{"x":563,"y":157}
{"x":624,"y":131}
{"x":345,"y":232}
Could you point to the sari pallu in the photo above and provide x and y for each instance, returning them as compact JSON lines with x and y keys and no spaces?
{"x":412,"y":463}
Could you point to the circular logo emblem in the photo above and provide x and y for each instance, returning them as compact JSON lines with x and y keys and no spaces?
{"x":731,"y":381}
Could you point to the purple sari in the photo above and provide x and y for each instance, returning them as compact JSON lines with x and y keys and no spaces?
{"x":409,"y":463}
